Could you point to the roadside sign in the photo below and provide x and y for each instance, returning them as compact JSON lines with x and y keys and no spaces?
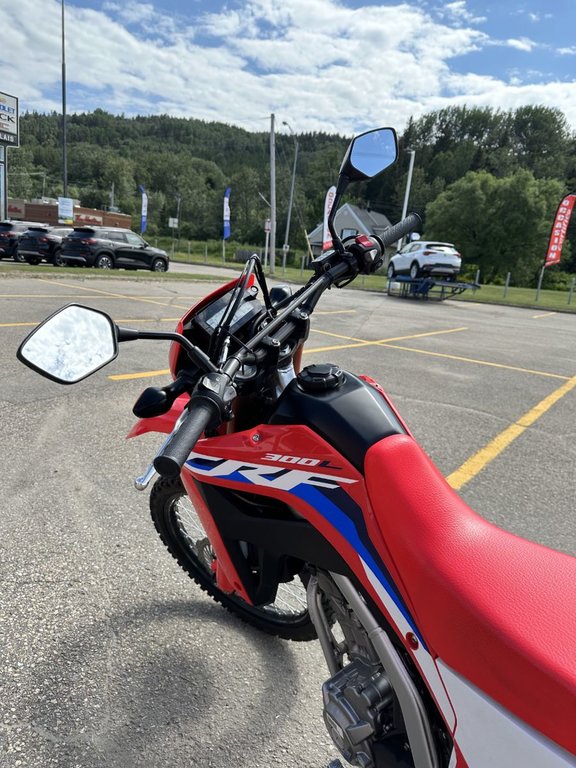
{"x":9,"y":120}
{"x":65,"y":210}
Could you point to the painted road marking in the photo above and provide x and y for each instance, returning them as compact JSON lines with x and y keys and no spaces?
{"x":365,"y":343}
{"x":476,"y":463}
{"x":476,"y":362}
{"x":143,"y":375}
{"x":110,"y":294}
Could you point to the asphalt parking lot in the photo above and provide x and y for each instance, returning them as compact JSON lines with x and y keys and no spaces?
{"x":110,"y":655}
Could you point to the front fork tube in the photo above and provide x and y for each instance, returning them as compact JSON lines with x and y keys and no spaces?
{"x":333,"y":653}
{"x":142,"y":482}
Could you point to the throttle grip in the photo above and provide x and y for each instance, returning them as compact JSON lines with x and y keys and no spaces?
{"x":171,"y":460}
{"x":404,"y":227}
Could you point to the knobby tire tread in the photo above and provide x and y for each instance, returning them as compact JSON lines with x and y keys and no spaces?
{"x":164,"y":491}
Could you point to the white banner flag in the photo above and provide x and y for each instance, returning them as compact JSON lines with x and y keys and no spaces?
{"x":326,"y":236}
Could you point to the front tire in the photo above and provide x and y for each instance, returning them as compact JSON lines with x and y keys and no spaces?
{"x":181,"y":531}
{"x":19,"y":257}
{"x":159,"y":265}
{"x":391,"y":273}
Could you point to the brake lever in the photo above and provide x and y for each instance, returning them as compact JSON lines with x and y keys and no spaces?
{"x":154,"y":401}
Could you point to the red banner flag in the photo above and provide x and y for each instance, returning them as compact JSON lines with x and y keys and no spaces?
{"x":559,"y":228}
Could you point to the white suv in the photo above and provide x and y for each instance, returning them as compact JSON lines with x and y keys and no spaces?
{"x":426,"y":257}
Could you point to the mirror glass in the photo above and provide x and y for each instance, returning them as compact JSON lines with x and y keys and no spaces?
{"x":374,"y":151}
{"x":71,"y":344}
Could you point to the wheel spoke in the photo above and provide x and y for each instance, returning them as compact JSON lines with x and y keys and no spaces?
{"x":290,"y":598}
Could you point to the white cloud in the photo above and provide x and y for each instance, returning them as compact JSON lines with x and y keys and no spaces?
{"x":316,"y":63}
{"x":522,"y":44}
{"x":458,"y":11}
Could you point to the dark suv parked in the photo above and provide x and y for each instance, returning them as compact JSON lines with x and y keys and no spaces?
{"x":38,"y":243}
{"x":10,"y":232}
{"x":109,"y":247}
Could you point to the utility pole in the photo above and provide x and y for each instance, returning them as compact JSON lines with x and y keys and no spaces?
{"x":64,"y":142}
{"x":286,"y":246}
{"x":178,"y":203}
{"x":272,"y":197}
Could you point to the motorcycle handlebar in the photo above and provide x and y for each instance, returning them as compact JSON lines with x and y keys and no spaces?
{"x":404,"y":227}
{"x":204,"y":410}
{"x":171,"y":460}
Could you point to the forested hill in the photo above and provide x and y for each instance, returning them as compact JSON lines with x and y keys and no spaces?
{"x":174,"y":157}
{"x":489,"y":155}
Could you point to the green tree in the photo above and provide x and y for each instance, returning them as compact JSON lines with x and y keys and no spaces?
{"x":542,"y":140}
{"x":499,"y":225}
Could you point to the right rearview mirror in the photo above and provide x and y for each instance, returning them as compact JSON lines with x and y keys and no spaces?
{"x":369,"y":154}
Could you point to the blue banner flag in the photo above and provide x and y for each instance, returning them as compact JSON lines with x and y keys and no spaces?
{"x":227,"y":214}
{"x":144,"y":217}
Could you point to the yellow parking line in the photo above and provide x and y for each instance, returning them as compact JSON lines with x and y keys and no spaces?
{"x":334,"y":312}
{"x":143,"y":375}
{"x":475,"y":361}
{"x":15,"y":325}
{"x":109,"y":294}
{"x":484,"y":456}
{"x":546,"y":314}
{"x":136,"y":320}
{"x":395,"y":338}
{"x":76,"y":296}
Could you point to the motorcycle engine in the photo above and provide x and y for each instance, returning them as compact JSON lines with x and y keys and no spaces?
{"x":361,"y":711}
{"x":358,"y":712}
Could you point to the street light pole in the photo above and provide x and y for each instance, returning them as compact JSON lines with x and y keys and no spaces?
{"x":286,"y":246}
{"x":64,"y":142}
{"x":407,"y":193}
{"x":272,"y":197}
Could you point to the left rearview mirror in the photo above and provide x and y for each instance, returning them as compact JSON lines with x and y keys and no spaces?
{"x":70,"y":345}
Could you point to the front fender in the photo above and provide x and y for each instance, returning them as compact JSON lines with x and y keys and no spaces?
{"x":163,"y":423}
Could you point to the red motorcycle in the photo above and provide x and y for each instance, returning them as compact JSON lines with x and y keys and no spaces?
{"x":298,"y":498}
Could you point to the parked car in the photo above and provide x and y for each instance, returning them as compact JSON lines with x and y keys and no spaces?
{"x":10,"y":232}
{"x":110,"y":247}
{"x":426,"y":257}
{"x":42,"y":243}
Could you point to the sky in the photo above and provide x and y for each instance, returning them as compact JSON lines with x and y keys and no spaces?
{"x":338,"y":66}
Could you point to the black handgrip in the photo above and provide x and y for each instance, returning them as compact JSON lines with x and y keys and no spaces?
{"x":169,"y":462}
{"x":404,"y":227}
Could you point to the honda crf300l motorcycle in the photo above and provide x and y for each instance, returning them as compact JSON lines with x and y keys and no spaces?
{"x":298,"y":498}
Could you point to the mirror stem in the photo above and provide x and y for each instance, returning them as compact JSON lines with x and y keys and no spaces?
{"x":196,"y":354}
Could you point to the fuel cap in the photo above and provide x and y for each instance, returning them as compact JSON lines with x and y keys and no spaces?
{"x":320,"y":377}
